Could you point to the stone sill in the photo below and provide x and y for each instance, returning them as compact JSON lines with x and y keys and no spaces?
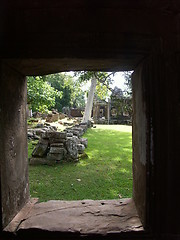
{"x":77,"y":218}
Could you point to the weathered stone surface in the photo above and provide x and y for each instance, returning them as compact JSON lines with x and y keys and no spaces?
{"x":76,"y":133}
{"x":69,"y":134}
{"x":39,"y":131}
{"x":62,"y":116}
{"x":55,"y":156}
{"x":52,"y":117}
{"x":83,"y":217}
{"x":84,"y":127}
{"x":54,"y":128}
{"x":54,"y":134}
{"x":36,"y":137}
{"x":40,"y":150}
{"x":84,"y":141}
{"x":55,"y":140}
{"x":44,"y":141}
{"x":79,"y":129}
{"x":41,"y":161}
{"x":23,"y":213}
{"x":80,"y":148}
{"x":39,"y":125}
{"x":30,"y":134}
{"x":61,"y":145}
{"x":56,"y":150}
{"x":71,"y":146}
{"x":57,"y":146}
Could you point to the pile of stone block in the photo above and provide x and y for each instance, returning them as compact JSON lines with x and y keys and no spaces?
{"x":54,"y":147}
{"x":35,"y":133}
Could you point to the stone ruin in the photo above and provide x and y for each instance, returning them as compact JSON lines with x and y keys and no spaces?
{"x":35,"y":133}
{"x":53,"y":116}
{"x":55,"y":147}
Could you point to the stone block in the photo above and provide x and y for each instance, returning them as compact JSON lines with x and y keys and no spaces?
{"x":80,"y":148}
{"x":52,"y":117}
{"x":39,"y":131}
{"x":40,"y":150}
{"x":57,"y":135}
{"x":60,"y":145}
{"x":54,"y":134}
{"x":56,"y":150}
{"x":76,"y":133}
{"x":55,"y":156}
{"x":84,"y":141}
{"x":71,"y":146}
{"x":84,"y":127}
{"x":39,"y":125}
{"x":41,"y":161}
{"x":69,"y":134}
{"x":54,"y":140}
{"x":44,"y":141}
{"x":80,"y":130}
{"x":62,"y":116}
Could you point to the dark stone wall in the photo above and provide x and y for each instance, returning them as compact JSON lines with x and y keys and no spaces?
{"x":156,"y":130}
{"x":164,"y":74}
{"x":13,"y":143}
{"x":139,"y":144}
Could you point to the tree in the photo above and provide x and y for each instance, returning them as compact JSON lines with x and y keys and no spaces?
{"x":121,"y":102}
{"x":41,"y":96}
{"x":99,"y":81}
{"x":128,"y":82}
{"x":72,"y":94}
{"x":89,"y":105}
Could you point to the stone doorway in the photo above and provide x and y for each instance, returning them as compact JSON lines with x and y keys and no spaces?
{"x":139,"y":186}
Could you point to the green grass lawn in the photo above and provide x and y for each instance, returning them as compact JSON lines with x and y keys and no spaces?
{"x":105,"y":174}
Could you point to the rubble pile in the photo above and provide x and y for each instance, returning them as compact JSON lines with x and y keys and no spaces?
{"x":54,"y":147}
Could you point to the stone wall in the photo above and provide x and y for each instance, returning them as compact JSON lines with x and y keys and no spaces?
{"x":13,"y":143}
{"x":139,"y":144}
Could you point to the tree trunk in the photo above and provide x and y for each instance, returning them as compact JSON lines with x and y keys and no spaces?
{"x":89,"y":105}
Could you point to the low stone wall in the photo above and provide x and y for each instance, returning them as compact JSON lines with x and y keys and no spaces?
{"x":54,"y":147}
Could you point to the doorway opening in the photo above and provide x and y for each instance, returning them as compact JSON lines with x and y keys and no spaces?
{"x":139,"y":136}
{"x":102,"y":169}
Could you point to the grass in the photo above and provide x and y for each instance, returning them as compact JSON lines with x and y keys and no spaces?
{"x":105,"y":174}
{"x":31,"y":145}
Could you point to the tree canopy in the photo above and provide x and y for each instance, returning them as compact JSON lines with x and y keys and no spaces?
{"x":54,"y":91}
{"x":128,"y":82}
{"x":72,"y":94}
{"x":40,"y":95}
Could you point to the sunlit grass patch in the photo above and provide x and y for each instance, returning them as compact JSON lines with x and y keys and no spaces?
{"x":105,"y":174}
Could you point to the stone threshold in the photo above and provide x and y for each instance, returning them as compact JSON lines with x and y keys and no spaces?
{"x":85,"y":217}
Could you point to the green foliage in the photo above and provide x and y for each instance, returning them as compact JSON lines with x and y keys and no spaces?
{"x":121,"y":102}
{"x":54,"y":91}
{"x":72,"y":95}
{"x":41,"y":96}
{"x":31,"y":146}
{"x":128,"y":82}
{"x":106,"y":173}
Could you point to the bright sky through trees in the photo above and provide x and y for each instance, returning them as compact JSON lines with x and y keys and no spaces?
{"x":119,"y":81}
